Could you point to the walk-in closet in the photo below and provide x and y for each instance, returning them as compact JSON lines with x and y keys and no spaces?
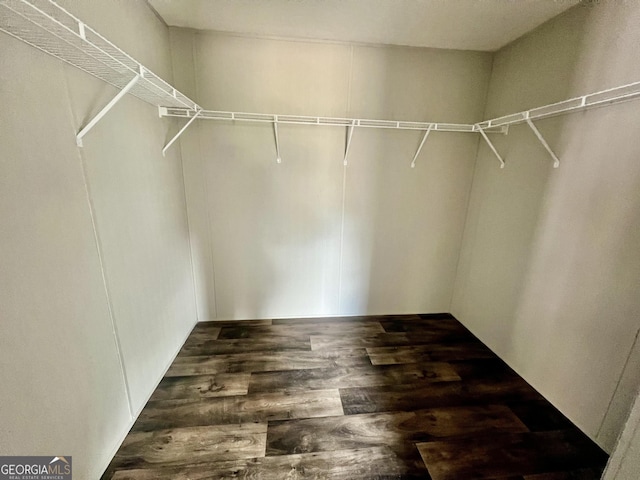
{"x":320,"y":239}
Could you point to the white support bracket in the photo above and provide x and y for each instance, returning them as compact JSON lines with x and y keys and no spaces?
{"x":350,"y":130}
{"x":275,"y":132}
{"x":493,"y":149}
{"x":177,"y":135}
{"x":105,"y":109}
{"x":424,"y":139}
{"x":556,"y":160}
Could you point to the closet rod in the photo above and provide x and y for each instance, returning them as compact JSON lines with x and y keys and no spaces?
{"x":323,"y":121}
{"x":610,"y":96}
{"x":601,"y":98}
{"x":50,"y":28}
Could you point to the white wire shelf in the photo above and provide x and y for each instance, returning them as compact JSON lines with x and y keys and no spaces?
{"x":609,"y":96}
{"x":50,"y":28}
{"x":601,"y":98}
{"x":349,"y":123}
{"x":322,"y":121}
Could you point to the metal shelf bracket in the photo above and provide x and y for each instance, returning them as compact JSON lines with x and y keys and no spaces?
{"x":493,"y":149}
{"x":556,"y":160}
{"x":180,"y":132}
{"x":424,"y":139}
{"x":275,"y":133}
{"x":350,"y":130}
{"x":92,"y":123}
{"x":47,"y":26}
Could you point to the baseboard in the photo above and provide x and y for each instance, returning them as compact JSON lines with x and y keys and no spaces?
{"x":137,"y":414}
{"x":437,"y":315}
{"x":421,"y":315}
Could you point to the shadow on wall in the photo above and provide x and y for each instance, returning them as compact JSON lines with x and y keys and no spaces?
{"x":507,"y":206}
{"x":395,"y":256}
{"x":309,"y":237}
{"x":586,"y":235}
{"x":585,"y":260}
{"x":562,"y":245}
{"x":274,"y":228}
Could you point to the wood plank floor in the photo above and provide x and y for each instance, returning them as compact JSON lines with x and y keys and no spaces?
{"x":385,"y":397}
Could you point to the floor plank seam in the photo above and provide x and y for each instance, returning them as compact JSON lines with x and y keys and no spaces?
{"x":362,"y":398}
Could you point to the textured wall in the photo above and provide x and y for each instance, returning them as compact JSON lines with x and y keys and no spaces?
{"x":309,"y":236}
{"x":96,"y":288}
{"x":550,"y":265}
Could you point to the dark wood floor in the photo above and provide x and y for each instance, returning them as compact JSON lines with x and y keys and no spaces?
{"x":407,"y":396}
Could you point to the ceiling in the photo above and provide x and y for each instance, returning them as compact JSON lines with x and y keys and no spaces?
{"x":456,"y":24}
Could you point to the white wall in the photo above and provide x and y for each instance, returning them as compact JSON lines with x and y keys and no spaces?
{"x":79,"y":351}
{"x":550,"y":265}
{"x":96,"y":287}
{"x":309,"y":236}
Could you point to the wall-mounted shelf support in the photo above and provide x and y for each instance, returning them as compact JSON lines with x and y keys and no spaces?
{"x":424,"y":139}
{"x":177,"y":135}
{"x":601,"y":98}
{"x":493,"y":149}
{"x":610,"y":96}
{"x":92,"y":123}
{"x":350,"y":123}
{"x":219,"y":115}
{"x":47,"y":26}
{"x":556,"y":161}
{"x":350,"y":130}
{"x":275,"y":133}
